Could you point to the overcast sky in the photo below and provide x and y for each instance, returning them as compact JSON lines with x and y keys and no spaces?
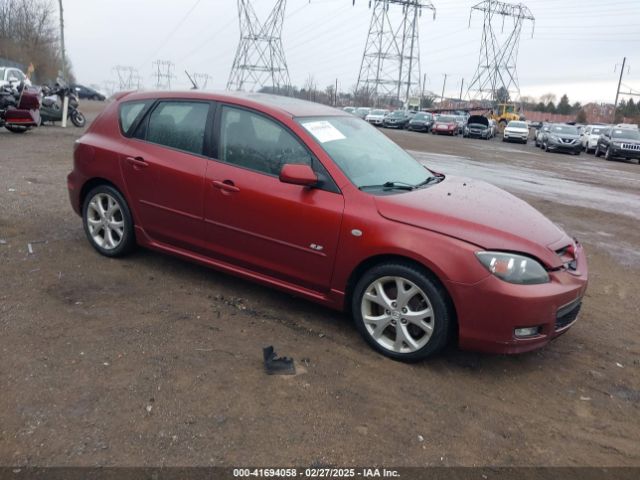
{"x":574,"y":50}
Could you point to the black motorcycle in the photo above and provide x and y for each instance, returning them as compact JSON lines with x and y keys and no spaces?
{"x":51,"y":109}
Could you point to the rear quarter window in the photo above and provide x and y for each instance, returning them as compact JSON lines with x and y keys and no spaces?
{"x":129,"y":114}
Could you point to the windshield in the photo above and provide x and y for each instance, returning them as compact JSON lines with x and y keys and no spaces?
{"x":598,"y":131}
{"x":422,"y":116}
{"x":517,"y":125}
{"x":378,"y":112}
{"x":564,"y":129}
{"x":446,"y":119}
{"x":362,"y":110}
{"x":397,"y":114}
{"x":366,"y":156}
{"x":626,"y":133}
{"x":1,"y":73}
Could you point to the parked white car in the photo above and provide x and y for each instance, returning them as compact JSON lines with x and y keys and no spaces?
{"x":516,"y":131}
{"x":589,"y":136}
{"x":376,"y":116}
{"x":12,"y":76}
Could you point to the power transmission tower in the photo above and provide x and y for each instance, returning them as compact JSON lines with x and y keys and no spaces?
{"x":259,"y":59}
{"x":128,"y":78}
{"x":163,"y":74}
{"x":391,"y":61}
{"x":496,"y":70}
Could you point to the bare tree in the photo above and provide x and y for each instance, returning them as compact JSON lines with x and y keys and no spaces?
{"x":29,"y":35}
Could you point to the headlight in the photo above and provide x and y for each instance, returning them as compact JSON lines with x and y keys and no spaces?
{"x":616,"y":144}
{"x":554,"y":138}
{"x":513,"y":268}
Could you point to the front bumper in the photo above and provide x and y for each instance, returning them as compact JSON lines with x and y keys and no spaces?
{"x":564,"y":147}
{"x":625,"y":153}
{"x":478,"y":134}
{"x":444,"y":131}
{"x":515,"y":137}
{"x":393,"y":125}
{"x":419,"y":127}
{"x":490,"y":311}
{"x":375,"y":121}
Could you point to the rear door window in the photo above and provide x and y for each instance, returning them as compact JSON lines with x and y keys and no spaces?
{"x":179,"y":124}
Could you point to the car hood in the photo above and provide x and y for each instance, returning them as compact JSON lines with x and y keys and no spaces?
{"x":478,"y":120}
{"x":479,"y":213}
{"x":516,"y":129}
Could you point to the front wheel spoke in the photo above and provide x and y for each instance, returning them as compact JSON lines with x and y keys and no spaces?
{"x":108,"y":237}
{"x":379,"y":288}
{"x":404,"y":296}
{"x":377,"y":300}
{"x":417,"y":316}
{"x":403,"y":337}
{"x":379,"y":324}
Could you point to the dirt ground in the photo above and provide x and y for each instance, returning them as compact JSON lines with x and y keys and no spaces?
{"x":151,"y":360}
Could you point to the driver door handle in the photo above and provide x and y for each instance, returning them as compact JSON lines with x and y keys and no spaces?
{"x":226,"y":185}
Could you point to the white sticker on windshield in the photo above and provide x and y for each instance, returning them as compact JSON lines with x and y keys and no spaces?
{"x":323,"y":131}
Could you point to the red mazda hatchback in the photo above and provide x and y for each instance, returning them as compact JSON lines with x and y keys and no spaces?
{"x":318,"y":203}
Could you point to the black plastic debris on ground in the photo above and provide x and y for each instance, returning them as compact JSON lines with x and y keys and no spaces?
{"x":275,"y":365}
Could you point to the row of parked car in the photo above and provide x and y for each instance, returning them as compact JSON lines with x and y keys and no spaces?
{"x":438,"y":124}
{"x":612,"y":141}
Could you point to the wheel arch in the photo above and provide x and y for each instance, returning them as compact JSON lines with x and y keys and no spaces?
{"x":375,"y":260}
{"x":97,"y":181}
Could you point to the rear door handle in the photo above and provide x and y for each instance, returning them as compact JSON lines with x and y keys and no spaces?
{"x":137,"y":162}
{"x":226,"y":185}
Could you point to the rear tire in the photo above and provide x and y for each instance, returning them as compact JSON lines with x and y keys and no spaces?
{"x":107,"y":222}
{"x":16,"y":129}
{"x":402,"y":312}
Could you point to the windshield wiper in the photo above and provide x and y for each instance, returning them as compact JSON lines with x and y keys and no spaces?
{"x":429,"y":181}
{"x":390,"y":185}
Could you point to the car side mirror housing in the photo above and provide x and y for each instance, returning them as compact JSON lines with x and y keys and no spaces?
{"x":298,"y":175}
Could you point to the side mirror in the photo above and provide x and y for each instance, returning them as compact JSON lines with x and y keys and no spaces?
{"x":298,"y":175}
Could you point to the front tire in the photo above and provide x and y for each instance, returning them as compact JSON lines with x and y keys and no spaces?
{"x":402,"y":312}
{"x":607,"y":154}
{"x":78,"y":119}
{"x":107,"y":222}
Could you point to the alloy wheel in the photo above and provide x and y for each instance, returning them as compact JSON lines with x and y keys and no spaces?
{"x":105,"y":221}
{"x":397,"y":314}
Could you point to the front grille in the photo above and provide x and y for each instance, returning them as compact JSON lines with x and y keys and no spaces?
{"x":630,"y":146}
{"x":567,"y":314}
{"x":568,"y":140}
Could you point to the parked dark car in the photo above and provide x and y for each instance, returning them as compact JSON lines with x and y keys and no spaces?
{"x":317,"y":203}
{"x":398,"y":119}
{"x":562,"y":138}
{"x":421,"y":122}
{"x":619,"y":143}
{"x":477,"y":127}
{"x":88,"y":93}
